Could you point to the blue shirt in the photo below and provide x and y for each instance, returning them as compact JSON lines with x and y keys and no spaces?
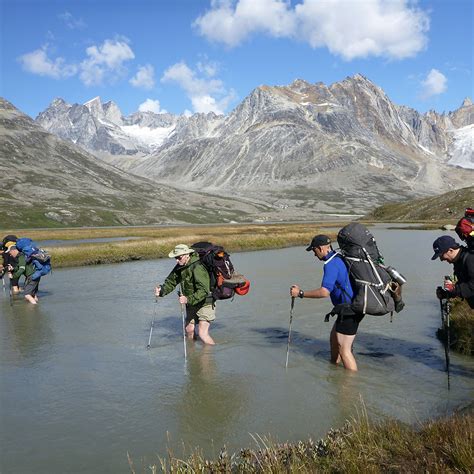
{"x":336,"y":279}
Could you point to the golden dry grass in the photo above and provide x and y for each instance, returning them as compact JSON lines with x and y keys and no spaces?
{"x":156,"y":242}
{"x":440,"y":446}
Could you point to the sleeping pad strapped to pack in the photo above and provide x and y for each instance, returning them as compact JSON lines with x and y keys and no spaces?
{"x":372,"y":283}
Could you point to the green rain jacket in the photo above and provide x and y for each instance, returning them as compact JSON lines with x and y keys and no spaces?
{"x":23,"y":268}
{"x":194,"y":280}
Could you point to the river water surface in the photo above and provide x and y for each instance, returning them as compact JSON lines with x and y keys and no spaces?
{"x":79,"y":389}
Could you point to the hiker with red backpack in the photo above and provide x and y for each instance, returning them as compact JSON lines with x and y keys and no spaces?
{"x":195,"y":291}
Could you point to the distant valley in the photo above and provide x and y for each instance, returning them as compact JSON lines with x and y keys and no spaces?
{"x":297,"y":152}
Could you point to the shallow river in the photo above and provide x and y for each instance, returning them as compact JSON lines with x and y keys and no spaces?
{"x":79,"y":389}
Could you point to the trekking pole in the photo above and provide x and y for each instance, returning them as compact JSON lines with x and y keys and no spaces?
{"x":183,"y":317}
{"x":444,"y":304}
{"x":289,"y":331}
{"x":448,"y":339}
{"x":11,"y":292}
{"x":152,"y":323}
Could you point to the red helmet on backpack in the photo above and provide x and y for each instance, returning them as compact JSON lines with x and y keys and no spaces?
{"x":244,"y":289}
{"x":465,"y":226}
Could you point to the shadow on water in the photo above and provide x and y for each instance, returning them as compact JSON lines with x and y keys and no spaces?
{"x":374,"y":346}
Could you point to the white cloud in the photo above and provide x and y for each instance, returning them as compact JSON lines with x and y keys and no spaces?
{"x":38,"y":62}
{"x":352,"y":29}
{"x":151,"y":105}
{"x":434,"y":84}
{"x":144,"y":78}
{"x":105,"y":61}
{"x":206,"y":94}
{"x":231,"y":25}
{"x":72,"y":22}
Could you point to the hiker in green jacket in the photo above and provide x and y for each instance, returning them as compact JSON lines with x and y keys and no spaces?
{"x":23,"y":267}
{"x":194,"y":282}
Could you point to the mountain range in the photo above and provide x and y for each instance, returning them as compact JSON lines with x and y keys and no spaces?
{"x":49,"y":182}
{"x":295,"y":146}
{"x":298,"y":152}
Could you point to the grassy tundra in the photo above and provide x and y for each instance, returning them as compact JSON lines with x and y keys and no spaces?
{"x":156,"y":242}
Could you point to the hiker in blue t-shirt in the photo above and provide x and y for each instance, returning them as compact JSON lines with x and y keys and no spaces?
{"x":337,"y":286}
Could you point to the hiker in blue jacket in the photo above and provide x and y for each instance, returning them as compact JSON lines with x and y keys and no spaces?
{"x":335,"y":285}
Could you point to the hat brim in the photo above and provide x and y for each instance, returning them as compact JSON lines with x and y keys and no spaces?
{"x":174,"y":254}
{"x":435,"y":256}
{"x":310,"y":247}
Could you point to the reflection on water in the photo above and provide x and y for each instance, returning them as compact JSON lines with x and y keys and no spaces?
{"x":79,"y":389}
{"x":210,"y":401}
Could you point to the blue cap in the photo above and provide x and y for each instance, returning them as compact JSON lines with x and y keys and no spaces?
{"x":443,"y":244}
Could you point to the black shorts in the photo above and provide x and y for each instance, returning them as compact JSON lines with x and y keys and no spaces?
{"x":348,"y":325}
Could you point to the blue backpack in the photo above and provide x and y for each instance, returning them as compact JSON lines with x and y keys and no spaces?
{"x":38,"y":257}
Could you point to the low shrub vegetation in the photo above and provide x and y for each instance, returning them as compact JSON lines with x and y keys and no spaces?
{"x":461,"y":328}
{"x":444,"y":445}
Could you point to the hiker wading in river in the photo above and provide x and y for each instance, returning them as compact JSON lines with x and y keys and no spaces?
{"x":448,"y":250}
{"x":194,"y":282}
{"x":336,"y":285}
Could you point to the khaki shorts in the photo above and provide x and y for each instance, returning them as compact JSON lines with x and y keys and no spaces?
{"x":206,"y":312}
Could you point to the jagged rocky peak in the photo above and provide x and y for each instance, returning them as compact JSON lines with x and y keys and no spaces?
{"x":95,"y":107}
{"x":464,"y":115}
{"x":6,"y":105}
{"x":112,"y":112}
{"x":300,"y":85}
{"x":58,"y":102}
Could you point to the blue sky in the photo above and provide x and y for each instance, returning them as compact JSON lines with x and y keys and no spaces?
{"x":185,"y":56}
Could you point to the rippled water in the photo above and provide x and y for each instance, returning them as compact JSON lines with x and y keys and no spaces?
{"x":79,"y":389}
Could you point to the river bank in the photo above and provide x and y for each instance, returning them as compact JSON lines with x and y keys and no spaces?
{"x":461,"y":328}
{"x":156,"y":242}
{"x":148,"y":243}
{"x":442,"y":445}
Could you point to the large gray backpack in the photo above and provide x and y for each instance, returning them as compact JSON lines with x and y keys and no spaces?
{"x":370,"y":280}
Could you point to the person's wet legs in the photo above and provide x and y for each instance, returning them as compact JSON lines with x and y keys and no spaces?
{"x":345,"y":350}
{"x":190,"y":328}
{"x":204,"y":333}
{"x":335,"y":356}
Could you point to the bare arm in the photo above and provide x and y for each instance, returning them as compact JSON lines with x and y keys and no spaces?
{"x":316,"y":293}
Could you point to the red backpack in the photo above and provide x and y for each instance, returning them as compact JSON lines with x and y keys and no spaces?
{"x":465,"y":228}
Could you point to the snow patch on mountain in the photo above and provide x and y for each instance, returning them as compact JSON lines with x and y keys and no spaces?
{"x":462,"y":152}
{"x":148,"y":136}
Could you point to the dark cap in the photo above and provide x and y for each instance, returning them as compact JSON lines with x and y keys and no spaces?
{"x":318,"y":240}
{"x":443,"y":244}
